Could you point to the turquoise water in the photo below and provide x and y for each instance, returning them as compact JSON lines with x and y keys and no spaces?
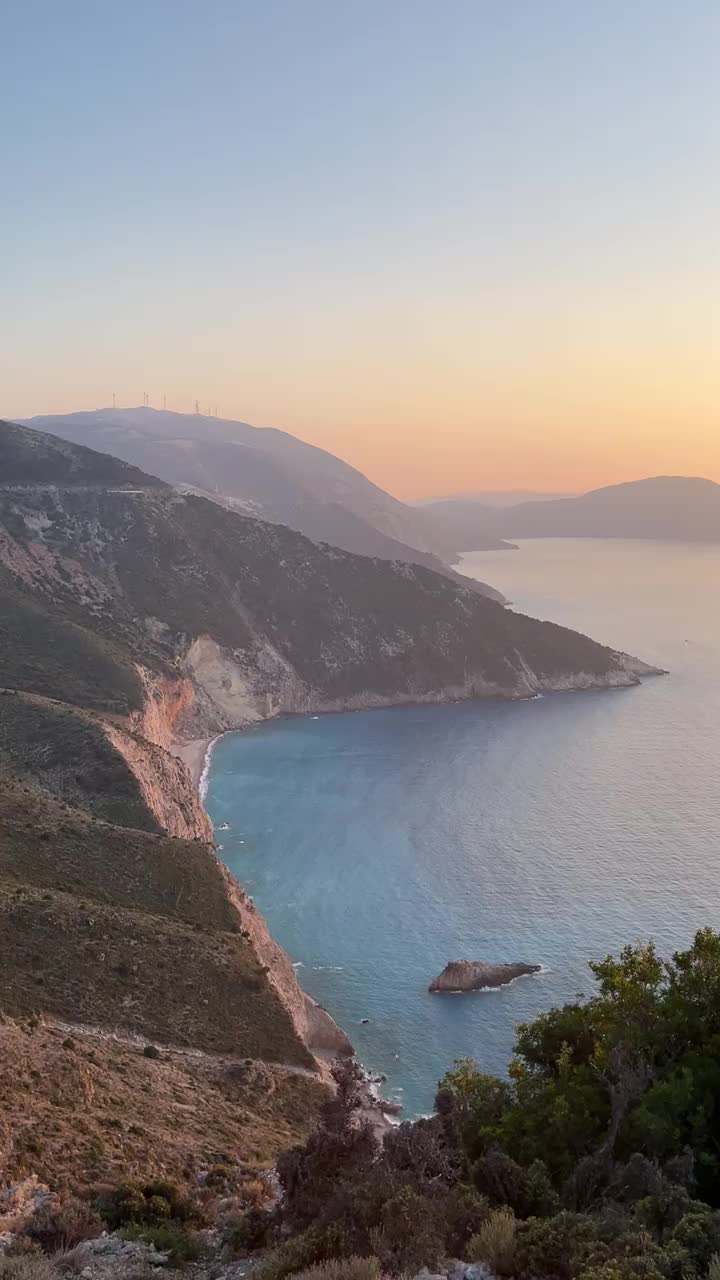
{"x":381,"y":844}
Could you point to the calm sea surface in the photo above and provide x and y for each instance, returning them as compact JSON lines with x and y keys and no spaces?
{"x":381,"y":844}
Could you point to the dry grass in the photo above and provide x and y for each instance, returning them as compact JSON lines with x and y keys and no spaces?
{"x":352,"y":1268}
{"x":27,"y":1266}
{"x":81,"y":1110}
{"x":495,"y":1242}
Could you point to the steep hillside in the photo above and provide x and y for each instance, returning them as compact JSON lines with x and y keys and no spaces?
{"x":271,"y":474}
{"x":198,"y":619}
{"x":111,"y":926}
{"x":668,"y":508}
{"x":85,"y":1109}
{"x":98,"y":767}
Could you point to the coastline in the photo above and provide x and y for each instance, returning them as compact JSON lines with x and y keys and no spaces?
{"x":381,"y":1113}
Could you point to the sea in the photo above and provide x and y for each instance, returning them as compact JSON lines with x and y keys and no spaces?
{"x":381,"y":844}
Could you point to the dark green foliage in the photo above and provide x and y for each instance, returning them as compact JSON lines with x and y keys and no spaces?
{"x":171,"y":1237}
{"x":150,"y":1202}
{"x":602,"y":1144}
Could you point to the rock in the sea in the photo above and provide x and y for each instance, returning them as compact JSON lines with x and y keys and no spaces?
{"x":473,"y":975}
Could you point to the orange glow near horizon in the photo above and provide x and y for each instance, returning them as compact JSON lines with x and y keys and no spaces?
{"x":463,"y":247}
{"x":473,"y":406}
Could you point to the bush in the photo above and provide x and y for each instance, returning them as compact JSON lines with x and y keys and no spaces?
{"x":255,"y":1192}
{"x":559,"y":1246}
{"x":62,"y":1226}
{"x":316,"y":1244}
{"x":495,"y":1242}
{"x":352,"y":1268}
{"x":699,"y":1234}
{"x":172,"y":1238}
{"x":222,"y":1177}
{"x":248,"y":1231}
{"x":464,"y":1212}
{"x":410,"y":1234}
{"x":151,"y":1202}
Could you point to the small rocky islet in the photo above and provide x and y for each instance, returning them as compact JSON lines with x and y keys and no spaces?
{"x":476,"y":975}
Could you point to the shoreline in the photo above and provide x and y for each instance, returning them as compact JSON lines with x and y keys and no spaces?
{"x":196,"y":755}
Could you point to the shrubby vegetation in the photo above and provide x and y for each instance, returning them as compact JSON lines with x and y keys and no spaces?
{"x":598,"y":1158}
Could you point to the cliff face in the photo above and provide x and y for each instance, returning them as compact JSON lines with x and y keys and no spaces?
{"x":164,"y":784}
{"x":313,"y":1024}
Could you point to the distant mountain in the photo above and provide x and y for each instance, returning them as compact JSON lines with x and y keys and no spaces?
{"x":491,"y":497}
{"x":266,"y":473}
{"x":670,"y":508}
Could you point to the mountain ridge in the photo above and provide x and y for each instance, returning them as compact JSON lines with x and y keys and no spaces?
{"x":243,"y":619}
{"x":666,"y":508}
{"x":271,"y":473}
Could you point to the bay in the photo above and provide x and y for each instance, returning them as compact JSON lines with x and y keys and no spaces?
{"x":381,"y":844}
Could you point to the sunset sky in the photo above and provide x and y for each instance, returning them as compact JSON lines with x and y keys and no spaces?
{"x":464,"y":245}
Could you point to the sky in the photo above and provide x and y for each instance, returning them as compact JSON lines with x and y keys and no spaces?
{"x":464,"y":245}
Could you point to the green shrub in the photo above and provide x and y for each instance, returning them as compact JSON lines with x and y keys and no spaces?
{"x":495,"y":1242}
{"x":316,"y":1244}
{"x":172,"y":1238}
{"x":464,"y":1212}
{"x":151,"y":1202}
{"x":559,"y":1246}
{"x":410,"y":1234}
{"x":699,"y":1234}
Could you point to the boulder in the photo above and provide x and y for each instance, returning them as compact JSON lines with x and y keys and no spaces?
{"x":473,"y":975}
